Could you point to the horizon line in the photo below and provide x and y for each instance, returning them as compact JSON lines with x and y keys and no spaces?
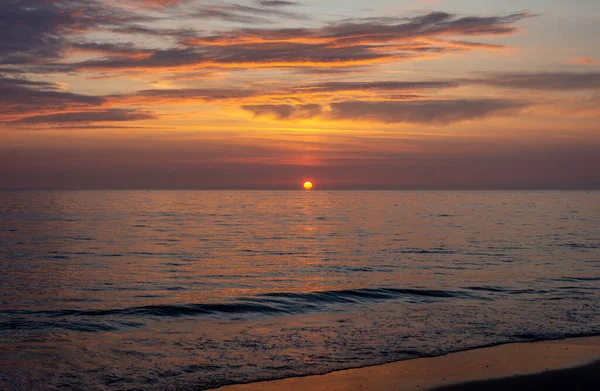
{"x":299,"y":189}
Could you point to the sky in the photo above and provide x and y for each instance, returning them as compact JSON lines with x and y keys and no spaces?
{"x":266,"y":94}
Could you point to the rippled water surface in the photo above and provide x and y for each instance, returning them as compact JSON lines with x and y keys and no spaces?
{"x":118,"y":290}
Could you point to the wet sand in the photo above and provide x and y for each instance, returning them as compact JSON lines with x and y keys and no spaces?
{"x":571,"y":364}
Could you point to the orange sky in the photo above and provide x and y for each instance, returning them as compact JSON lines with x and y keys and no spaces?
{"x":263,"y":94}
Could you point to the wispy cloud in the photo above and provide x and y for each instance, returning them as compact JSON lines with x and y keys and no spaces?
{"x":22,"y":97}
{"x":37,"y":32}
{"x":584,"y":61}
{"x":350,"y":43}
{"x":559,"y":81}
{"x":32,"y":102}
{"x":286,"y":112}
{"x":389,"y":85}
{"x":433,"y":112}
{"x":42,"y":36}
{"x":106,"y":115}
{"x":277,"y":3}
{"x":383,"y":89}
{"x":437,"y":112}
{"x":232,"y":12}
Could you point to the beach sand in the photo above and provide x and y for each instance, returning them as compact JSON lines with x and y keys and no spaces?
{"x":571,"y":364}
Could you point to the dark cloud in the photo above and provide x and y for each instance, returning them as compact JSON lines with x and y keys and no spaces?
{"x":30,"y":31}
{"x":436,"y":112}
{"x":558,"y":81}
{"x":7,"y":82}
{"x":107,"y":115}
{"x":160,"y":3}
{"x":352,"y":43}
{"x":271,"y":55}
{"x":291,"y":53}
{"x":165,"y":59}
{"x":544,"y":81}
{"x":135,"y":29}
{"x":285,"y":112}
{"x":566,"y":81}
{"x":88,"y":126}
{"x":185,"y":94}
{"x":377,"y":86}
{"x":288,"y":93}
{"x":239,"y":13}
{"x":20,"y":97}
{"x":430,"y":25}
{"x":39,"y":35}
{"x":112,"y":49}
{"x":277,"y":3}
{"x":37,"y":32}
{"x":332,"y":71}
{"x":380,"y":30}
{"x":26,"y":101}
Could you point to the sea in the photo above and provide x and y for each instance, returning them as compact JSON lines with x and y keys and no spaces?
{"x":190,"y":290}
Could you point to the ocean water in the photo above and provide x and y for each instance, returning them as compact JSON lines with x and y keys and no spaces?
{"x":153,"y":290}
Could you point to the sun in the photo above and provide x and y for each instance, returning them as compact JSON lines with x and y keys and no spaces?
{"x":308,"y":185}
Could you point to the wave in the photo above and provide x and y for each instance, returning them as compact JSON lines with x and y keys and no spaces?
{"x":271,"y":304}
{"x":576,"y":279}
{"x":425,"y":251}
{"x":358,"y":295}
{"x":581,"y":246}
{"x":79,"y":326}
{"x":497,"y":289}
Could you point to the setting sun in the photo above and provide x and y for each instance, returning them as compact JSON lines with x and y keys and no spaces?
{"x":308,"y":185}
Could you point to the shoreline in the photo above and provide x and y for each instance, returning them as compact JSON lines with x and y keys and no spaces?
{"x":521,"y":365}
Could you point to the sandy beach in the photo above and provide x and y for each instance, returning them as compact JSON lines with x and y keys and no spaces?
{"x":571,"y":364}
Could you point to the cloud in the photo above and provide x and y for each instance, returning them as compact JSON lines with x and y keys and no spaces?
{"x":159,"y":3}
{"x":170,"y":96}
{"x":231,"y":12}
{"x":332,"y":71}
{"x":106,"y":115}
{"x":126,"y":49}
{"x":468,"y":45}
{"x":433,"y":112}
{"x":429,"y":25}
{"x":37,"y":32}
{"x":408,"y":90}
{"x":558,"y":81}
{"x":136,"y":29}
{"x":6,"y":82}
{"x":30,"y":31}
{"x":19,"y":97}
{"x":285,"y":112}
{"x":274,"y":55}
{"x":277,"y":3}
{"x":410,"y":95}
{"x":350,"y":43}
{"x":374,"y":30}
{"x":52,"y":30}
{"x":584,"y":61}
{"x":25,"y":101}
{"x":41,"y":36}
{"x":377,"y":86}
{"x":88,"y":126}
